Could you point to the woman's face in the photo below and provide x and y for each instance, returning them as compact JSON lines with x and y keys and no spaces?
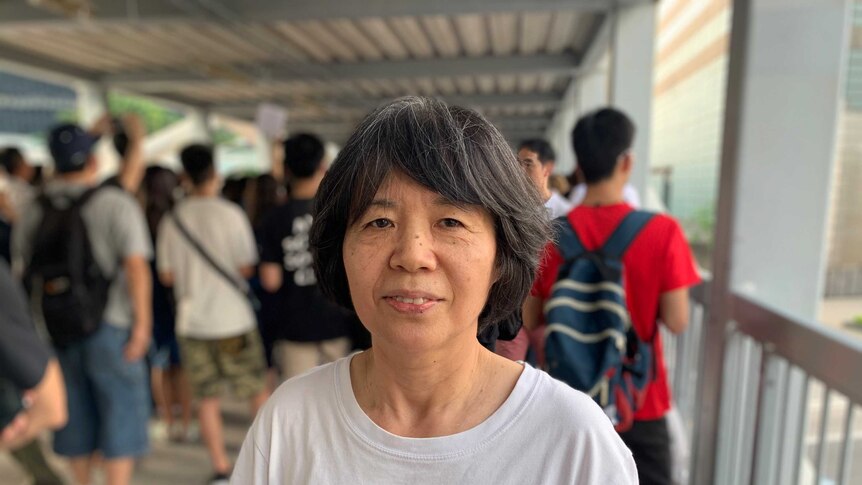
{"x":418,"y":267}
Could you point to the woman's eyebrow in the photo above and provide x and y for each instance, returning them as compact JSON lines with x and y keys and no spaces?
{"x":384,"y":203}
{"x":443,"y":201}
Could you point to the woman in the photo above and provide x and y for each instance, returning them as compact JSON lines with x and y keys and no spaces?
{"x":427,"y":227}
{"x":167,"y":379}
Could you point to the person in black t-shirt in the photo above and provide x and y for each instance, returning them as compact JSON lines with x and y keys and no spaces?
{"x":308,"y":329}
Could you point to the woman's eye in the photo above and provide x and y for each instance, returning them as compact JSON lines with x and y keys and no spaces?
{"x":449,"y":222}
{"x":380,"y":223}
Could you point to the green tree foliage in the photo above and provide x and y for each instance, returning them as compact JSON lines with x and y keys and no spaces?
{"x":154,"y":116}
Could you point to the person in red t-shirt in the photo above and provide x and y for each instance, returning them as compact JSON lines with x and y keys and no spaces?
{"x":658,"y":269}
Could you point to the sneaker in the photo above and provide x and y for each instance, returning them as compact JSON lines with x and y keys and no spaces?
{"x":158,"y":432}
{"x":177,"y":434}
{"x":193,"y":434}
{"x":190,"y":435}
{"x":220,"y":479}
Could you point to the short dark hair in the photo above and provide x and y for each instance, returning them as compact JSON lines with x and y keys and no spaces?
{"x":303,"y":154}
{"x":198,"y":163}
{"x":599,"y":138}
{"x":450,"y":150}
{"x":11,"y":159}
{"x":541,"y":148}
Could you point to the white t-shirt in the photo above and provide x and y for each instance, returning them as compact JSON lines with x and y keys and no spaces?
{"x":557,"y":205}
{"x":208,"y":306}
{"x":312,"y":431}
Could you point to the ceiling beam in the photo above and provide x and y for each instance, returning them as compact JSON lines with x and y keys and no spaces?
{"x":26,"y":64}
{"x":161,"y":11}
{"x":285,"y":72}
{"x":17,"y":60}
{"x":248,"y":109}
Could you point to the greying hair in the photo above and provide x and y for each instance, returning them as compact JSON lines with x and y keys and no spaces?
{"x":454,"y":152}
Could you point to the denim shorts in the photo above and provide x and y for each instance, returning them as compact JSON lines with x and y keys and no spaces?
{"x":108,"y":398}
{"x":165,"y":355}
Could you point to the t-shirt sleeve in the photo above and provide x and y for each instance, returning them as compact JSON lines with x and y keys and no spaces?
{"x":271,"y":249}
{"x":131,"y":234}
{"x":680,"y":269}
{"x":252,"y":463}
{"x":23,"y":356}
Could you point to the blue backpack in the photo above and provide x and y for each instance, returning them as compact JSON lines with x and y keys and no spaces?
{"x":590,"y":343}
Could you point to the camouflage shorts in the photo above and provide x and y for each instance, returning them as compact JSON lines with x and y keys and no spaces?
{"x":238,"y":361}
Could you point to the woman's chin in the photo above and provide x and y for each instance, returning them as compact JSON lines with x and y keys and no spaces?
{"x":414,"y":339}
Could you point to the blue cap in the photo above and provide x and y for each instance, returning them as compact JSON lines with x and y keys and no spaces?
{"x":70,"y":146}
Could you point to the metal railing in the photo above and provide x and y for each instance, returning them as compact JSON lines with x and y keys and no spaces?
{"x":844,"y":281}
{"x":790,"y":395}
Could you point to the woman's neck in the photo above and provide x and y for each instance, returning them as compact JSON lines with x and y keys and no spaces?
{"x":435,"y":394}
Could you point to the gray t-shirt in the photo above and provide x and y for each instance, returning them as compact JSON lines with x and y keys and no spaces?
{"x":116,"y":228}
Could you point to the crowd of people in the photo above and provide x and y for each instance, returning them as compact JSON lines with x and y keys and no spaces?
{"x":397,"y":301}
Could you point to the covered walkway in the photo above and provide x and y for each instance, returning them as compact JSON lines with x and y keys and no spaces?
{"x":767,"y":394}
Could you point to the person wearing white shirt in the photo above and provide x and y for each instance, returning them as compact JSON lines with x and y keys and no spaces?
{"x":537,"y":158}
{"x":429,"y":241}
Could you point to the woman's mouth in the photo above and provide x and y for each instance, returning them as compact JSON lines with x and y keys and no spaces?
{"x":411,"y":304}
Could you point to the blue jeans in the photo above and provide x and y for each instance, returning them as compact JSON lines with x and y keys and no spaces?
{"x":108,"y":398}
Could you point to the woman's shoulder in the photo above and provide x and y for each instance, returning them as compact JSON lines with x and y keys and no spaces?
{"x":313,"y":384}
{"x":557,"y":402}
{"x":578,"y":433}
{"x":296,"y":401}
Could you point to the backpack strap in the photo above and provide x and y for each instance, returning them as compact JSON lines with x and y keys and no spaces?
{"x":566,"y":239}
{"x":239,"y":284}
{"x":87,"y":195}
{"x":625,"y":233}
{"x":46,"y":202}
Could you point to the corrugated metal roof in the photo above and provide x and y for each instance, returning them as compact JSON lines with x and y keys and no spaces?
{"x":323,"y":60}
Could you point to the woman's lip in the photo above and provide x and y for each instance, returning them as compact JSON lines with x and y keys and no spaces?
{"x":411,"y":295}
{"x":414,"y":308}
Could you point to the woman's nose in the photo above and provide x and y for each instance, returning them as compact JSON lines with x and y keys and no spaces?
{"x":413,"y":251}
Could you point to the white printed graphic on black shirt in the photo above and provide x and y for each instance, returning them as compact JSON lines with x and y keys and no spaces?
{"x":297,"y":257}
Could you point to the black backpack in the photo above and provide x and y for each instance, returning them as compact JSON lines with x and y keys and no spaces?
{"x":63,"y":275}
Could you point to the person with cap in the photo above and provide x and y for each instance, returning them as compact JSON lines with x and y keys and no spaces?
{"x":104,"y":371}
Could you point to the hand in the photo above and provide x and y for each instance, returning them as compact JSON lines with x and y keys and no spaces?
{"x":14,"y":433}
{"x":7,"y":210}
{"x":134,"y":127}
{"x":102,"y":126}
{"x":22,"y":429}
{"x":136,"y":347}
